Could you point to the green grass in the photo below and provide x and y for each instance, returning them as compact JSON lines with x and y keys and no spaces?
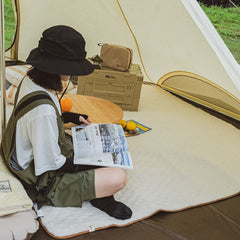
{"x":227,"y":23}
{"x":9,"y":23}
{"x":225,"y":20}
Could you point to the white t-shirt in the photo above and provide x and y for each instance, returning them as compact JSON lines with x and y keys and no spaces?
{"x":37,"y":133}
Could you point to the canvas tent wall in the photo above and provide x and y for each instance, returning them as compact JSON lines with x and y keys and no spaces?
{"x":166,"y":36}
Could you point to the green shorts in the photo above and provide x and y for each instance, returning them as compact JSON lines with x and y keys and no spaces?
{"x":71,"y":189}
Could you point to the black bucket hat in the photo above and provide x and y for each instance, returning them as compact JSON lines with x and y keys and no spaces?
{"x":61,"y":50}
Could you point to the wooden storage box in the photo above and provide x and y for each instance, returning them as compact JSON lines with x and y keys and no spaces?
{"x":121,"y":88}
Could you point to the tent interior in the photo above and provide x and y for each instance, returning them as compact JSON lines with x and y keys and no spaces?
{"x":187,"y":167}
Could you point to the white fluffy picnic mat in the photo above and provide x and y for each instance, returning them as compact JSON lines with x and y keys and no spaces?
{"x":189,"y":158}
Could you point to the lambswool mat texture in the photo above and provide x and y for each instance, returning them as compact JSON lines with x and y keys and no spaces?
{"x":189,"y":158}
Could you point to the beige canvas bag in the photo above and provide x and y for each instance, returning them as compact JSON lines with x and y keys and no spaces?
{"x":116,"y":57}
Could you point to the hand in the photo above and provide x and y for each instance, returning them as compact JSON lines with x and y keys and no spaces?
{"x":87,"y":121}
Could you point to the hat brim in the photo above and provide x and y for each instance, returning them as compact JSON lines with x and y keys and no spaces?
{"x":59,"y":66}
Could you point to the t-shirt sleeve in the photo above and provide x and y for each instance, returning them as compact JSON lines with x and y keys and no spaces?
{"x":43,"y":133}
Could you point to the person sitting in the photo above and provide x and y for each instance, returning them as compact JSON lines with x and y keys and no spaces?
{"x":35,"y":146}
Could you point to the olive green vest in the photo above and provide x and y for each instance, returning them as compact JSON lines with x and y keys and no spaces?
{"x":40,"y":188}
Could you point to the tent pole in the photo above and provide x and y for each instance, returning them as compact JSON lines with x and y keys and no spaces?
{"x":2,"y":68}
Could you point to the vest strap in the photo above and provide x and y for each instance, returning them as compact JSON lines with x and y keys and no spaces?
{"x":30,"y":100}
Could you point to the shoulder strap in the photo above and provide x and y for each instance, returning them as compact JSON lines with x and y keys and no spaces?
{"x":31,"y":101}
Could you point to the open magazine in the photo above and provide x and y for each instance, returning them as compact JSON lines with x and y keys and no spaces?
{"x":101,"y":145}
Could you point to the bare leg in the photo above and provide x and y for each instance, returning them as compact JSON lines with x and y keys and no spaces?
{"x":108,"y":181}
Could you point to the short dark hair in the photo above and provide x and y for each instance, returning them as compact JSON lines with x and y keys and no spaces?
{"x":46,"y":80}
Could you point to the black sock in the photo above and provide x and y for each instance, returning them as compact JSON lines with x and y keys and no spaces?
{"x":112,"y":207}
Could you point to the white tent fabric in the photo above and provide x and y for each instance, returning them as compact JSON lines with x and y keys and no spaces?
{"x":173,"y":35}
{"x":222,"y":52}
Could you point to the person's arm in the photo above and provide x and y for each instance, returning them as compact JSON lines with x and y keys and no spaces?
{"x":76,"y":118}
{"x":43,"y":135}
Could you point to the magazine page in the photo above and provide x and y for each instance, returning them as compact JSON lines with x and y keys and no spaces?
{"x":101,"y":145}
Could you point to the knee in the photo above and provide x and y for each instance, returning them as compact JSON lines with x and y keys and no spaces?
{"x":119,"y":179}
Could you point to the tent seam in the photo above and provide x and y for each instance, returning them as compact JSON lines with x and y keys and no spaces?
{"x":135,"y":39}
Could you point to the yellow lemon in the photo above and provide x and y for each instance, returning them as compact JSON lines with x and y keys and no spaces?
{"x":123,"y":123}
{"x":131,"y":126}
